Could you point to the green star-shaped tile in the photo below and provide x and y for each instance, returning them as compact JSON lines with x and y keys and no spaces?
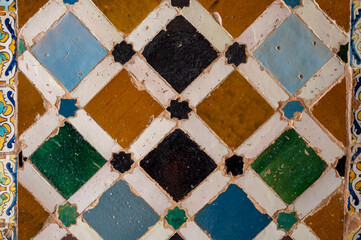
{"x":67,"y":214}
{"x":286,"y":220}
{"x":176,"y":217}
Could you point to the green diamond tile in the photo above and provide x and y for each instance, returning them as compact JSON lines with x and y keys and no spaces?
{"x":67,"y":160}
{"x":289,"y":166}
{"x":176,"y":217}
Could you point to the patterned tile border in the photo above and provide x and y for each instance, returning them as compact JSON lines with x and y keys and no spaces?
{"x":8,"y":161}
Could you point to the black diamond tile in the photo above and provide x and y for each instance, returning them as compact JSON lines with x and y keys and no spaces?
{"x":179,"y":53}
{"x":234,"y":165}
{"x":236,"y":54}
{"x":178,"y":164}
{"x":121,"y":161}
{"x":123,"y":52}
{"x":180,"y":3}
{"x":340,"y":167}
{"x":179,"y":109}
{"x":176,"y":237}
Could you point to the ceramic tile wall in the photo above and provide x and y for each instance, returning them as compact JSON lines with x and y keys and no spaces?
{"x":184,"y":119}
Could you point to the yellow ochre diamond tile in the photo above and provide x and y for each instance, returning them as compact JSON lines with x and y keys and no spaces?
{"x":126,"y":14}
{"x":235,"y":110}
{"x":122,"y":110}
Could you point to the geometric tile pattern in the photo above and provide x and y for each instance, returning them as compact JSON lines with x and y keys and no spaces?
{"x":187,"y":119}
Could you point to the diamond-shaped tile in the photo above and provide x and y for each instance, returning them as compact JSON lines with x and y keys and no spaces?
{"x":232,"y":216}
{"x":331,"y":216}
{"x":330,"y":110}
{"x":120,"y":214}
{"x":67,"y":160}
{"x":122,"y":110}
{"x":292,"y":54}
{"x":289,"y":166}
{"x":235,"y":110}
{"x":125,"y":15}
{"x":179,"y":53}
{"x":31,"y":216}
{"x":30,"y":103}
{"x":77,"y":51}
{"x":178,"y":164}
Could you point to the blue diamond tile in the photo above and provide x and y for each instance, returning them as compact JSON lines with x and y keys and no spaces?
{"x":292,"y":54}
{"x":232,"y":216}
{"x":120,"y":214}
{"x":69,"y":45}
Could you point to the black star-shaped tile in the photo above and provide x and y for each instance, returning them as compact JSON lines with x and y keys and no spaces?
{"x":179,"y":53}
{"x":179,"y":109}
{"x":234,"y":165}
{"x":178,"y":164}
{"x":122,"y":161}
{"x":123,"y":52}
{"x":236,"y":54}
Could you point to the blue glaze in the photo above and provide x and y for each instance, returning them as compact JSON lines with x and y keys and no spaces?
{"x":68,"y":107}
{"x":300,"y":53}
{"x":120,"y":214}
{"x":291,"y":108}
{"x":232,"y":216}
{"x":292,"y":3}
{"x":71,"y":2}
{"x":69,"y":51}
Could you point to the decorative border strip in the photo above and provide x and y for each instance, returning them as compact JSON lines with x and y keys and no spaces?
{"x":8,"y":164}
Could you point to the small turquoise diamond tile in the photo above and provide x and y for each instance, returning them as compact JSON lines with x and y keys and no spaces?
{"x":292,"y":54}
{"x":120,"y":214}
{"x":69,"y":45}
{"x":232,"y":216}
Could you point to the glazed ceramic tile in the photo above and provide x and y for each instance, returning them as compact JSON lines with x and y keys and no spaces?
{"x":77,"y":51}
{"x":231,"y":113}
{"x":115,"y":98}
{"x":289,"y":166}
{"x":232,"y":209}
{"x":138,"y":215}
{"x":276,"y":52}
{"x":180,"y":119}
{"x":7,"y":119}
{"x":8,"y":49}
